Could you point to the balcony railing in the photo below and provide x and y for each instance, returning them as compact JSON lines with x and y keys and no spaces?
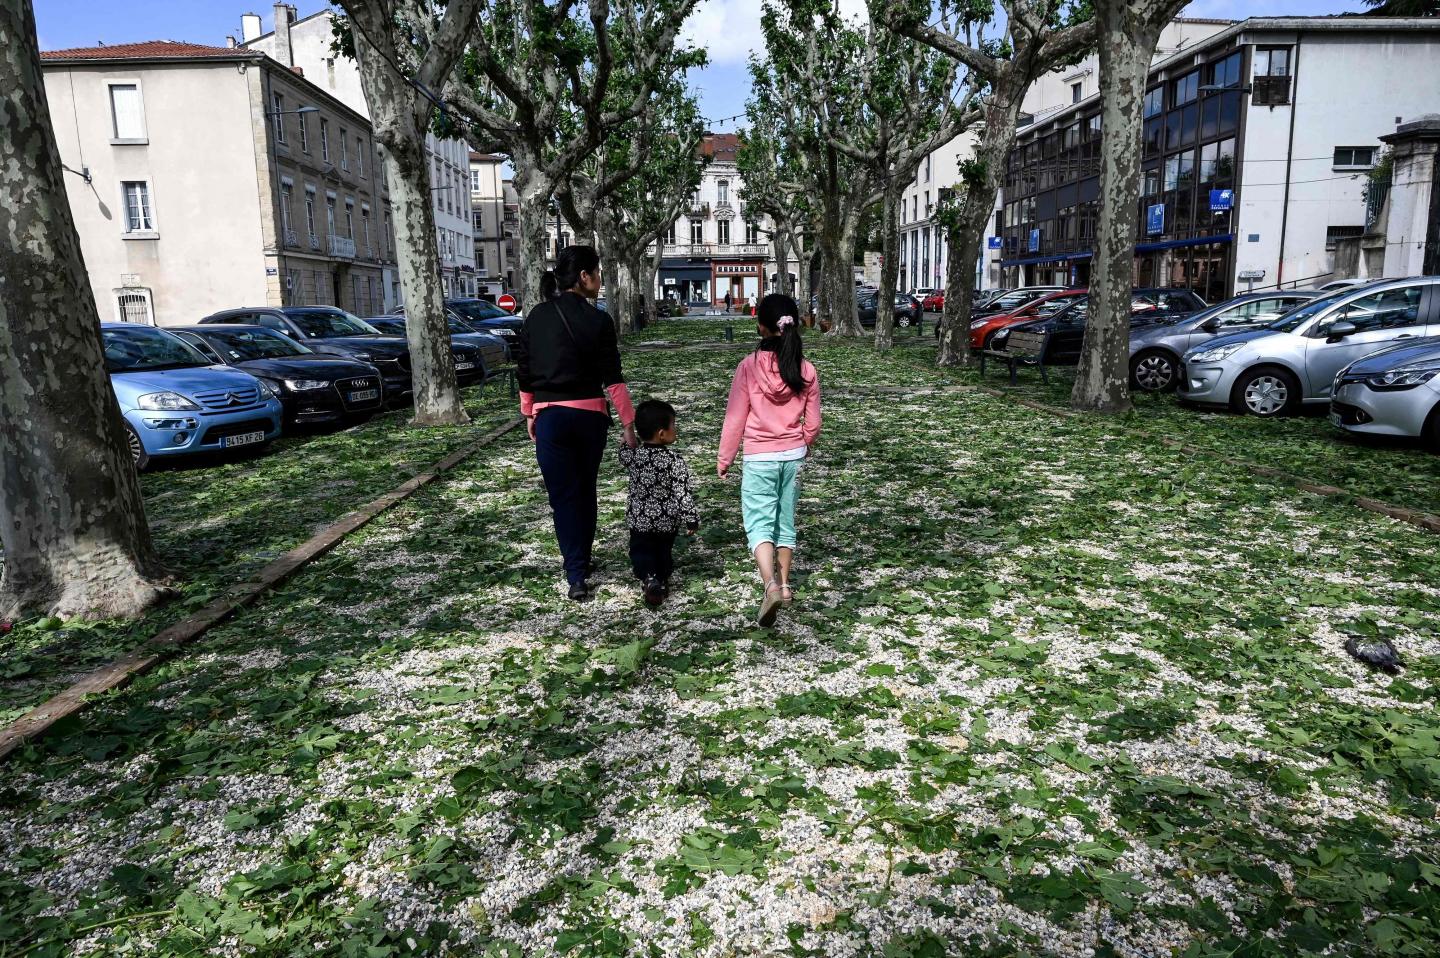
{"x":716,"y":249}
{"x":314,"y":241}
{"x":342,"y":246}
{"x":291,"y":239}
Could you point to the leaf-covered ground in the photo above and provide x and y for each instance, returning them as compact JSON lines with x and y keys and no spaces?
{"x":1047,"y":689}
{"x":216,"y":520}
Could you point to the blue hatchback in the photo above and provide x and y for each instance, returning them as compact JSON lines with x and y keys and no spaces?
{"x":175,"y":402}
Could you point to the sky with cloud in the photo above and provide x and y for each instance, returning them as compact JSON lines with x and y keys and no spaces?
{"x":728,"y":29}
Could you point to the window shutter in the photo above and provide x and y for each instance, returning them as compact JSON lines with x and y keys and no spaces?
{"x":126,"y":110}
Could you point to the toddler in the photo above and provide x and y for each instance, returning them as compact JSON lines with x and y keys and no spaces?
{"x":662,"y":498}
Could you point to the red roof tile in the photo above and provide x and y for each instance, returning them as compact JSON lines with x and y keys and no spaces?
{"x":720,"y":146}
{"x":146,"y":50}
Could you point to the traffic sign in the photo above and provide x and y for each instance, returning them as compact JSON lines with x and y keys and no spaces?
{"x":506,"y":302}
{"x":1250,"y":274}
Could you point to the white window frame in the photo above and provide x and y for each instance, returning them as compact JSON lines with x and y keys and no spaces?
{"x":1337,"y":165}
{"x":365,"y":226}
{"x":325,"y":139}
{"x":115,"y":137}
{"x":121,"y":292}
{"x":330,"y":200}
{"x":344,"y":150}
{"x":722,"y":232}
{"x":304,"y":130}
{"x":360,"y":157}
{"x":151,"y":229}
{"x":349,"y":218}
{"x":277,"y":113}
{"x":310,"y":211}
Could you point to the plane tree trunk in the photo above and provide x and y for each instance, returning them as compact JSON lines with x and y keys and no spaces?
{"x":72,"y":522}
{"x":1128,"y":34}
{"x":889,"y":264}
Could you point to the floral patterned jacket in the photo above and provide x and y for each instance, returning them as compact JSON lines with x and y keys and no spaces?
{"x":662,"y":490}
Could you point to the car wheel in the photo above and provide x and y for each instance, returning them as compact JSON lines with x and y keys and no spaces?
{"x":1154,"y":371}
{"x":138,"y":455}
{"x":1267,"y":391}
{"x":1432,"y":429}
{"x":903,"y":320}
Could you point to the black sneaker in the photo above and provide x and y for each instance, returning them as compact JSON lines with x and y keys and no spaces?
{"x":591,"y":567}
{"x":579,"y":591}
{"x":654,"y":591}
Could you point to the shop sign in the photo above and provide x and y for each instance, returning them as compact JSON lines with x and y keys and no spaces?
{"x":992,"y":242}
{"x":1034,"y":241}
{"x":1222,"y":200}
{"x":1155,"y":219}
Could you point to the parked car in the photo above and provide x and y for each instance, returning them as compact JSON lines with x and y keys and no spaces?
{"x":486,"y":317}
{"x":1275,"y":370}
{"x":1155,"y":349}
{"x":1005,"y":301}
{"x":493,"y":348}
{"x":1395,"y":392}
{"x":327,"y":329}
{"x":934,"y":301}
{"x":1067,"y":326}
{"x":983,"y":328}
{"x":176,"y":402}
{"x":907,"y":309}
{"x":1335,"y":285}
{"x":313,"y":388}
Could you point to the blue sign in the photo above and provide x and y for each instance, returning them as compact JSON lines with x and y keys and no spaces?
{"x":1034,"y":241}
{"x":993,"y":242}
{"x":1222,"y":199}
{"x":1155,"y":219}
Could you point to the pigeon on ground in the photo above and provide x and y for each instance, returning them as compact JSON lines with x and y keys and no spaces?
{"x":1376,"y":653}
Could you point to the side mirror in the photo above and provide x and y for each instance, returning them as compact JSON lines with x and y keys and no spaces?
{"x":1339,"y":330}
{"x":1211,"y":325}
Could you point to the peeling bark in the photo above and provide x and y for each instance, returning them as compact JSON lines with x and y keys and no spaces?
{"x":72,"y":521}
{"x":1129,"y":33}
{"x":534,"y":215}
{"x":399,"y":117}
{"x":889,"y":264}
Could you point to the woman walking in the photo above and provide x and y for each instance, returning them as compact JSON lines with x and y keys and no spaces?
{"x":774,"y":408}
{"x":567,"y":363}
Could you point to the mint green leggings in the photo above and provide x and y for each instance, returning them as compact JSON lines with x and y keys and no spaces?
{"x":768,"y":491}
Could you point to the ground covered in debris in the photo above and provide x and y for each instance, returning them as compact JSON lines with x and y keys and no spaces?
{"x":1047,"y":688}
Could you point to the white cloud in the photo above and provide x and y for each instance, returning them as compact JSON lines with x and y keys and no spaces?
{"x":730,"y":29}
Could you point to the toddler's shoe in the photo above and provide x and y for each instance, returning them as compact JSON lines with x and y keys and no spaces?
{"x":654,"y":592}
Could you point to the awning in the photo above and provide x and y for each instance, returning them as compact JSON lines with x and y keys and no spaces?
{"x":1045,"y":259}
{"x":1193,"y":241}
{"x":689,"y":271}
{"x":1139,"y":248}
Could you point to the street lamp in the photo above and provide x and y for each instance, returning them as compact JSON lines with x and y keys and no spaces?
{"x":303,"y":109}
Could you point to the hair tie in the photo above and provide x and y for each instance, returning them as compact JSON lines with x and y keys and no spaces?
{"x":784,"y":321}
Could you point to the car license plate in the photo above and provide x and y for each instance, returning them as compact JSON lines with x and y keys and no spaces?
{"x":364,"y":394}
{"x":464,"y":365}
{"x":244,"y":439}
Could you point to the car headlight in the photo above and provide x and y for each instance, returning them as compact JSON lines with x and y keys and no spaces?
{"x":1405,"y":377}
{"x":363,"y":357}
{"x":1001,"y":336}
{"x":268,"y":388}
{"x":300,"y":385}
{"x":167,"y":401}
{"x":978,"y":323}
{"x":1218,"y":354}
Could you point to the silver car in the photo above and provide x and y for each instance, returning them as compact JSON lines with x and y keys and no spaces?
{"x":1395,"y":392}
{"x":1155,"y":351}
{"x":1272,"y":371}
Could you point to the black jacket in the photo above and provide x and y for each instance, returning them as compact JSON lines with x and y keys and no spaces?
{"x":556,"y":364}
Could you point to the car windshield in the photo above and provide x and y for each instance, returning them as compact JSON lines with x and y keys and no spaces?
{"x":457,"y":327}
{"x":388,"y":324}
{"x":1015,"y":299}
{"x":478,"y":309}
{"x":242,"y":344}
{"x":1292,"y":320}
{"x":1052,"y":306}
{"x":143,"y":349}
{"x":323,"y":323}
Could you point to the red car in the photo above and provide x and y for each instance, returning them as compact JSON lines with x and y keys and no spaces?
{"x":985,"y":327}
{"x":934,"y":301}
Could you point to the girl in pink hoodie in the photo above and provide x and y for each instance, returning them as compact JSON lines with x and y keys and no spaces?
{"x":775,"y":407}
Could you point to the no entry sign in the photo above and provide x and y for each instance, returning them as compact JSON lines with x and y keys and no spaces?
{"x":506,"y":302}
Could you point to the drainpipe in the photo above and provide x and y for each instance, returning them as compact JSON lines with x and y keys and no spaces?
{"x":1289,"y":155}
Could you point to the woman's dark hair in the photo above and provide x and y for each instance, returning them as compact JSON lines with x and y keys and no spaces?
{"x":780,"y":314}
{"x":572,"y":261}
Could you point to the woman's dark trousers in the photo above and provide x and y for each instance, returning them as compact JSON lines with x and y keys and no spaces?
{"x":569,"y":444}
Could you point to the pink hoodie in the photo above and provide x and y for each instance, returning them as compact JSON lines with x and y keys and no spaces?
{"x":764,"y":410}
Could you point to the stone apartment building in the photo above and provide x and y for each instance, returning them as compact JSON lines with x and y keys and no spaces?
{"x":203,"y":178}
{"x":307,"y":44}
{"x":495,"y":221}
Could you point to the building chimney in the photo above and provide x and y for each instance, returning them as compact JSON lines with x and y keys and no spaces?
{"x":284,"y":14}
{"x":230,"y":42}
{"x":249,"y":26}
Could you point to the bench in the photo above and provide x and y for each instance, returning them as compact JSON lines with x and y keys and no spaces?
{"x":1022,"y":348}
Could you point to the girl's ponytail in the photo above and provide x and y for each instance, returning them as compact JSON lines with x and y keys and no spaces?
{"x":549,"y":285}
{"x":778,"y":313}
